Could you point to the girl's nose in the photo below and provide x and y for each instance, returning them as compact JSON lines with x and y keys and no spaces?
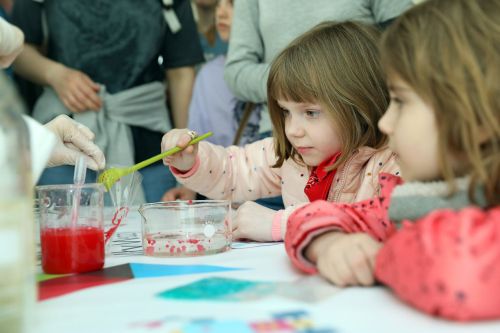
{"x":221,"y":10}
{"x":293,"y":126}
{"x":386,"y":123}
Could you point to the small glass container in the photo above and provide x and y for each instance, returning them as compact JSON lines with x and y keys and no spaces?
{"x":186,"y":228}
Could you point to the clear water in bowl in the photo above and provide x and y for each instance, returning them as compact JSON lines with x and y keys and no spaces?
{"x":186,"y":228}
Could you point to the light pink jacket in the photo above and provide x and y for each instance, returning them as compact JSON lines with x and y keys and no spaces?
{"x":245,"y":173}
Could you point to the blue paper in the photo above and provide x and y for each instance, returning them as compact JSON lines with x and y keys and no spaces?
{"x":149,"y":270}
{"x":232,"y":326}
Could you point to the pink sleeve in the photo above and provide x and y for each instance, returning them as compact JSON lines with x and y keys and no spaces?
{"x":234,"y":173}
{"x":446,"y":264}
{"x":188,"y":173}
{"x":314,"y":219}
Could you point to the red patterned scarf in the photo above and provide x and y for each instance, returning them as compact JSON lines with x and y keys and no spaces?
{"x":320,"y":180}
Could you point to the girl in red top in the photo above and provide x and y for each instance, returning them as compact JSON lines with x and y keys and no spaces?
{"x":435,"y":240}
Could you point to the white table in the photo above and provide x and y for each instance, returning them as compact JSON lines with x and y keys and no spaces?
{"x":132,"y":306}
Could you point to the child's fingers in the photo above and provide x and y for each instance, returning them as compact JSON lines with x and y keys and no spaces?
{"x":183,"y":140}
{"x":170,"y":195}
{"x":168,"y":160}
{"x":175,"y":137}
{"x":236,"y":234}
{"x":370,"y":250}
{"x":359,"y":266}
{"x":234,"y":221}
{"x":326,"y":270}
{"x":335,"y":269}
{"x":186,"y":137}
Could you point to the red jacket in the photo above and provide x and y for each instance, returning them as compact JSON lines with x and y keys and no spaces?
{"x":446,"y":263}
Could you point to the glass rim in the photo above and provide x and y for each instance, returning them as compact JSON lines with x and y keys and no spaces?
{"x":185,"y":203}
{"x":68,"y":187}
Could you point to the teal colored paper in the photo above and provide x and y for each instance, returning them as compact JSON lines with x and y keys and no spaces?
{"x":222,"y":289}
{"x":148,"y":270}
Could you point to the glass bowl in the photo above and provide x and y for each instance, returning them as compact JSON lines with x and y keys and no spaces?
{"x":186,"y":228}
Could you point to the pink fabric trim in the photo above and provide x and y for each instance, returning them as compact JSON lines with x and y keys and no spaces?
{"x":276,"y":226}
{"x":300,"y":261}
{"x":188,"y":173}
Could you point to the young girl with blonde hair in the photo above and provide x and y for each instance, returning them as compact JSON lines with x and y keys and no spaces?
{"x":326,"y":94}
{"x":442,"y":59}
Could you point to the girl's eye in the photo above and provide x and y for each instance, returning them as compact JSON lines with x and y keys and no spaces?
{"x":286,"y":113}
{"x":313,"y":113}
{"x":397,"y":101}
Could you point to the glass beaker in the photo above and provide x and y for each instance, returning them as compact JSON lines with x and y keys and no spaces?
{"x":186,"y":228}
{"x":71,"y":227}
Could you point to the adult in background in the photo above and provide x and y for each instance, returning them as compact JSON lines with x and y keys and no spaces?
{"x":104,"y":63}
{"x":263,"y":28}
{"x":211,"y":42}
{"x":213,"y":105}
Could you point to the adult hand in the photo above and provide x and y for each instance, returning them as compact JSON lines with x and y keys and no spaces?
{"x":185,"y":159}
{"x":179,"y":193}
{"x":347,"y":259}
{"x":11,"y":43}
{"x":76,"y":90}
{"x":253,"y":221}
{"x":74,"y":139}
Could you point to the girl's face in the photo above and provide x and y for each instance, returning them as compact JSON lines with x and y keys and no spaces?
{"x":224,"y":18}
{"x":311,"y":131}
{"x":411,"y":126}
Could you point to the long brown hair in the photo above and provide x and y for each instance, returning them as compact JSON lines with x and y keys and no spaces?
{"x":448,"y":51}
{"x":337,"y":66}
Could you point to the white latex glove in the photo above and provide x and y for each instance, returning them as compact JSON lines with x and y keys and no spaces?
{"x":74,"y":139}
{"x":253,"y":221}
{"x":42,"y":142}
{"x":11,"y":43}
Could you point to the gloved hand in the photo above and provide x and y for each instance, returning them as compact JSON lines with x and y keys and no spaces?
{"x":74,"y":139}
{"x":11,"y":43}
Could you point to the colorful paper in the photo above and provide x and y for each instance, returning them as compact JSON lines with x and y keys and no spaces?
{"x":307,"y":290}
{"x":220,"y":289}
{"x":148,"y":270}
{"x":286,"y":322}
{"x":58,"y":285}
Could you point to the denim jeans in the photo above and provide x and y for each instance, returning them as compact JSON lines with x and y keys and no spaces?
{"x":156,"y":179}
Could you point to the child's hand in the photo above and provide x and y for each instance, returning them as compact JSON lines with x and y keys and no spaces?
{"x":179,"y":193}
{"x":253,"y":221}
{"x":346,"y":259}
{"x":185,"y":159}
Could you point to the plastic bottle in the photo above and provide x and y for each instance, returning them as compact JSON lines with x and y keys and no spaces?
{"x":17,"y":254}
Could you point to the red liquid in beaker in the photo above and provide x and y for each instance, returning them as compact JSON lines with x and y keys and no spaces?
{"x":72,"y":250}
